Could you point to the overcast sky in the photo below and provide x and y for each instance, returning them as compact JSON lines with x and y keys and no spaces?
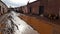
{"x":16,"y":3}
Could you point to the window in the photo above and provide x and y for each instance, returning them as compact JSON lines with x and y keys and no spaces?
{"x":59,"y":12}
{"x":0,"y":8}
{"x":3,"y":10}
{"x":41,"y":9}
{"x":30,"y":10}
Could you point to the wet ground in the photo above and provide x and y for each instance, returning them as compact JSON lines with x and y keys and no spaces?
{"x":25,"y":24}
{"x":42,"y":25}
{"x":21,"y":26}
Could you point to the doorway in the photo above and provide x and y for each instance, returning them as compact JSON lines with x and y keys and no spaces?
{"x":41,"y":10}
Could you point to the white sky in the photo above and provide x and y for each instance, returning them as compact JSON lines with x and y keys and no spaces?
{"x":16,"y":3}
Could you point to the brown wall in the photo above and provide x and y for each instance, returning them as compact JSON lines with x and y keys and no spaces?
{"x":34,"y":7}
{"x":50,"y":7}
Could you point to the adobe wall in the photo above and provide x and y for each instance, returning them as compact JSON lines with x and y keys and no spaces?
{"x":3,"y":7}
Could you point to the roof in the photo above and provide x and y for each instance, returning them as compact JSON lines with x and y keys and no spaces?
{"x":3,"y":3}
{"x":33,"y":2}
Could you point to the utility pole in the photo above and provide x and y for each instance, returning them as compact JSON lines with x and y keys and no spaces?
{"x":28,"y":2}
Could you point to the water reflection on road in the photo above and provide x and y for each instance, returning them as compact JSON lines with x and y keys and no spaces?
{"x":23,"y":27}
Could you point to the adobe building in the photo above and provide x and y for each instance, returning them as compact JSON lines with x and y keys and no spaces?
{"x":17,"y":9}
{"x":20,"y":9}
{"x":43,"y":7}
{"x":25,"y":9}
{"x":33,"y":7}
{"x":51,"y":7}
{"x":3,"y":8}
{"x":46,"y":7}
